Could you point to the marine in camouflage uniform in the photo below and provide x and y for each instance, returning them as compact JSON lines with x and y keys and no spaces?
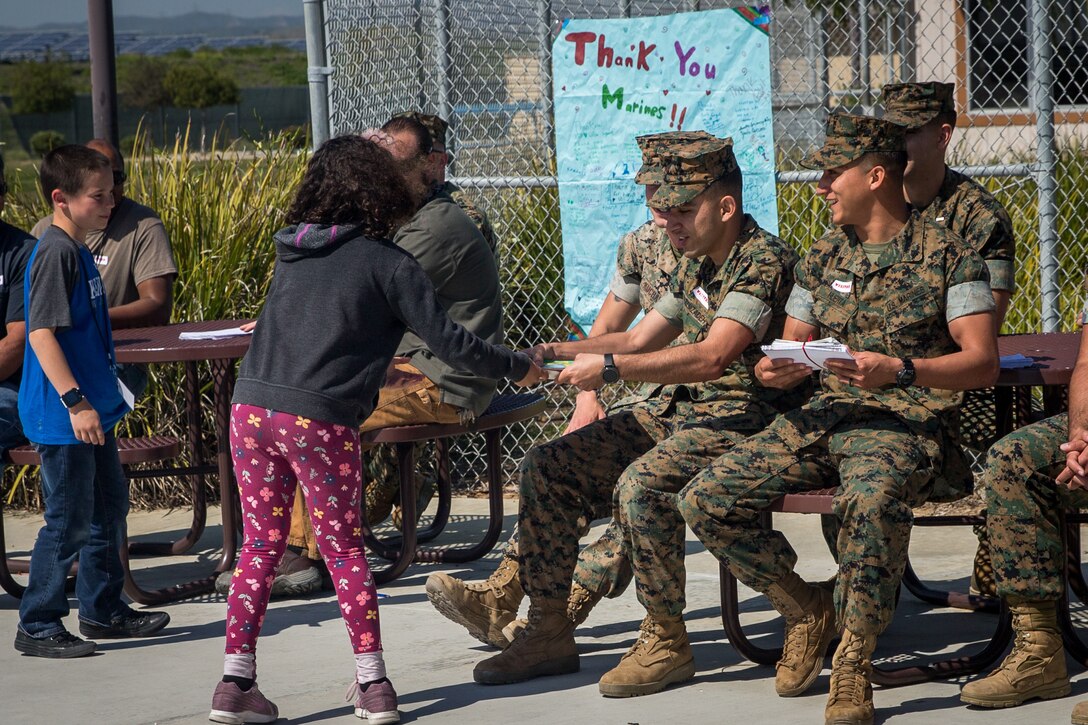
{"x":645,"y":263}
{"x":972,"y":212}
{"x":884,"y":445}
{"x":1027,"y":487}
{"x":488,"y":609}
{"x":661,"y":437}
{"x":964,"y":207}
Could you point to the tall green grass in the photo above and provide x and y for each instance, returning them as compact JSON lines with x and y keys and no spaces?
{"x":220,"y":208}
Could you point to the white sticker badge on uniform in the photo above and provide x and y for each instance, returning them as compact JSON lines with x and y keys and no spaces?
{"x":101,"y":260}
{"x":701,"y":295}
{"x":843,"y":286}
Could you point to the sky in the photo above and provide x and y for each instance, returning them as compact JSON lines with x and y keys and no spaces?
{"x":22,"y":14}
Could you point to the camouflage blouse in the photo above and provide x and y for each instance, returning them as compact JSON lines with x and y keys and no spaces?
{"x":750,"y":287}
{"x":644,"y":264}
{"x":900,"y":306}
{"x":966,"y":208}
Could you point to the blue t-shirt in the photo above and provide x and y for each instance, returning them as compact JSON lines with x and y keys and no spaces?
{"x":63,"y":291}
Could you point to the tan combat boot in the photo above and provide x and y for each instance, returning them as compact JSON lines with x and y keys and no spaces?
{"x":483,"y":608}
{"x":1080,"y":713}
{"x":1034,"y":668}
{"x":810,"y":627}
{"x":545,"y":647}
{"x":580,"y":603}
{"x":661,"y":656}
{"x":851,"y":698}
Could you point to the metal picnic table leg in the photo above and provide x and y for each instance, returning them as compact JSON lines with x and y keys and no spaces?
{"x":462,"y":554}
{"x":445,"y":493}
{"x":402,"y":554}
{"x":7,"y":582}
{"x":886,"y":677}
{"x":223,"y":387}
{"x":196,"y":480}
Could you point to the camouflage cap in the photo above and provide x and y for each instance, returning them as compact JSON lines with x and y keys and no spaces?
{"x":435,"y":125}
{"x":654,"y":145}
{"x":916,"y":104}
{"x":849,"y":137}
{"x":688,"y":168}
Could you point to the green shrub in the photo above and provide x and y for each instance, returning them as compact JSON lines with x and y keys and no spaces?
{"x":43,"y":142}
{"x":42,"y":87}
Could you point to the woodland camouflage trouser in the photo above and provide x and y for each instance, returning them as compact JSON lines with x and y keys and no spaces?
{"x":1023,"y":502}
{"x":885,"y":468}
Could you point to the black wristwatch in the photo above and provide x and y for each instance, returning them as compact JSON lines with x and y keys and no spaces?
{"x":72,"y":398}
{"x":905,"y":377}
{"x":611,"y":373}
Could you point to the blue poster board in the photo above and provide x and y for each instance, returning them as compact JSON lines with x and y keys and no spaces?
{"x":617,"y":79}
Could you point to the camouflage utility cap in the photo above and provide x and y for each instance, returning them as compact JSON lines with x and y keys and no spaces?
{"x":435,"y":125}
{"x":916,"y":104}
{"x":688,"y":169}
{"x":653,"y":145}
{"x":850,"y":137}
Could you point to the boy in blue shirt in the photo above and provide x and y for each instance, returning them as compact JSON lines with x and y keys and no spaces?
{"x":69,"y":402}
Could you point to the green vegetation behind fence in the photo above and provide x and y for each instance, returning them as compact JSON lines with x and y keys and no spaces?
{"x":222,"y":207}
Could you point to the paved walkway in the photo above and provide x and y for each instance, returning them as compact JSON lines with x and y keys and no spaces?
{"x":306,"y":664}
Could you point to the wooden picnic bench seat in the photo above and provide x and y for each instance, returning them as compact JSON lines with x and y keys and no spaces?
{"x":132,"y":451}
{"x":505,"y":410}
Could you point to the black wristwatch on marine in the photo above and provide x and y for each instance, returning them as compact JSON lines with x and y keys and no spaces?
{"x":905,"y":377}
{"x":611,"y":373}
{"x":72,"y":398}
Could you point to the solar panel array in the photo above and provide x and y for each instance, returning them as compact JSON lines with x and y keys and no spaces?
{"x":36,"y":46}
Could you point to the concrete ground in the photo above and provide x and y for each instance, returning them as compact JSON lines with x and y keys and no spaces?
{"x":306,"y":665}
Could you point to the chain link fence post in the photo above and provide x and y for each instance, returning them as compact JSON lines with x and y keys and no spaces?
{"x":1041,"y":80}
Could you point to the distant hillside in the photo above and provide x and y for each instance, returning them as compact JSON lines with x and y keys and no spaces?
{"x":215,"y":24}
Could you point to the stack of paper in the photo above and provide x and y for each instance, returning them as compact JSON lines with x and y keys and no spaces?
{"x":215,"y":334}
{"x":814,"y":353}
{"x":1014,"y":362}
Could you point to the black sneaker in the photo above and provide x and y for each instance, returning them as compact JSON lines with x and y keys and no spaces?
{"x":62,"y":645}
{"x":130,"y":624}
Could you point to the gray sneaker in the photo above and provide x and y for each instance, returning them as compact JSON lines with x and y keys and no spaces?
{"x":232,"y":705}
{"x":377,"y":703}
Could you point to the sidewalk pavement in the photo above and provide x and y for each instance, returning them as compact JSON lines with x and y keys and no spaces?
{"x":305,"y":662}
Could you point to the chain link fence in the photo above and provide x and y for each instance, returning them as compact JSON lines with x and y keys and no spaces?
{"x":486,"y":68}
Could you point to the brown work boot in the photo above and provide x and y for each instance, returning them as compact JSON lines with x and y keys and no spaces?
{"x":296,"y":575}
{"x":580,"y":603}
{"x":1080,"y":713}
{"x":661,"y":656}
{"x":483,"y":608}
{"x":851,"y":698}
{"x":982,"y":583}
{"x":810,"y":627}
{"x":1034,"y":668}
{"x":545,"y":647}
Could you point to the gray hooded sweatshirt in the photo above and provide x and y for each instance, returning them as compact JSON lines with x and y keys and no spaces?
{"x":337,"y":308}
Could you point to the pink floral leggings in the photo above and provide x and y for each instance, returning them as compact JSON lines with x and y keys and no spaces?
{"x":272,"y":452}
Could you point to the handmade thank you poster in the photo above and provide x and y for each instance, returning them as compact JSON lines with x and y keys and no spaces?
{"x":617,"y":79}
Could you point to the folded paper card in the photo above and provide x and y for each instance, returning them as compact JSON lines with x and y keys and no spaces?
{"x":814,"y":353}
